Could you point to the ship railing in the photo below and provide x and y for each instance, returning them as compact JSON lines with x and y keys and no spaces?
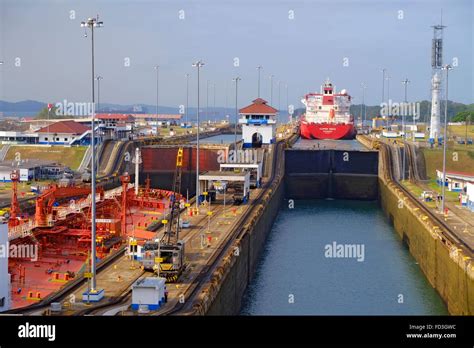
{"x":21,"y":231}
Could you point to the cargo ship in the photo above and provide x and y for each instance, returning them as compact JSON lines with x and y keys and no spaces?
{"x":327,"y":115}
{"x":58,"y":236}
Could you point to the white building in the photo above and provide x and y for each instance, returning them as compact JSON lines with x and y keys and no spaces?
{"x":455,"y":181}
{"x":149,"y":291}
{"x":258,"y":122}
{"x":470,"y":195}
{"x":4,"y":275}
{"x":64,"y":133}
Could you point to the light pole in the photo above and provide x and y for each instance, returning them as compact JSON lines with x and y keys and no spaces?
{"x":98,"y":78}
{"x":271,"y":89}
{"x":199,"y":64}
{"x":468,"y":122}
{"x":157,"y":68}
{"x":362,"y":106}
{"x":287,"y":106}
{"x":236,"y":80}
{"x":214,"y":96}
{"x":187,"y":99}
{"x":383,"y":84}
{"x":279,"y":97}
{"x":93,"y":23}
{"x":405,"y":82}
{"x":258,"y":88}
{"x":207,"y":101}
{"x":388,"y":99}
{"x":446,"y":67}
{"x":383,"y":89}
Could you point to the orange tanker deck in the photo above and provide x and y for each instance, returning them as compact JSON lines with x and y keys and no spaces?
{"x":58,"y":238}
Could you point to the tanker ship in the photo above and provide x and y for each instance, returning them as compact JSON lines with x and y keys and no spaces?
{"x":327,"y":115}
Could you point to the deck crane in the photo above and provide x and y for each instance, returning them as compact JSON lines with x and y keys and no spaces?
{"x":166,"y":256}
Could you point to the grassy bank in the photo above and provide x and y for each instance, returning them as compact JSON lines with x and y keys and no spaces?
{"x":68,"y":156}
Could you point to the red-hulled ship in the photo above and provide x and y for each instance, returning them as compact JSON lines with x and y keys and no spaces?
{"x":327,"y":115}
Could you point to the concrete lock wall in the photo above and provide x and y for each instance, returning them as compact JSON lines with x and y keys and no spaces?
{"x":445,"y":267}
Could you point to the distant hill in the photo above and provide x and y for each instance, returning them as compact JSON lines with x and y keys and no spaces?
{"x":21,"y":106}
{"x":33,"y":108}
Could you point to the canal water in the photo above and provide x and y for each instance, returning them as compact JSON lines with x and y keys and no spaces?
{"x":219,"y":139}
{"x":370,"y":272}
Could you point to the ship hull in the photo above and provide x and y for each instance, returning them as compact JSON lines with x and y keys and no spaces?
{"x":327,"y":131}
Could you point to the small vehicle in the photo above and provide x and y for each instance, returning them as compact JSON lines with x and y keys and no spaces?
{"x":427,"y":196}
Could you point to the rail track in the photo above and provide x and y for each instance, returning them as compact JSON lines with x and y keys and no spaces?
{"x":449,"y":236}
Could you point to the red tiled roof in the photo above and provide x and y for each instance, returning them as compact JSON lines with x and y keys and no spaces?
{"x":457,"y":173}
{"x":258,"y":106}
{"x":69,"y":127}
{"x":159,"y":116}
{"x":115,"y":116}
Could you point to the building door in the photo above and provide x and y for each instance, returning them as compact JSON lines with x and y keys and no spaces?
{"x":257,"y":140}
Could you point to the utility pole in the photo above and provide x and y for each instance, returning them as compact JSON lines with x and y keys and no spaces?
{"x":405,"y":82}
{"x":199,"y":64}
{"x":258,"y":89}
{"x":446,"y":67}
{"x":157,"y":67}
{"x":236,"y":80}
{"x":271,"y":89}
{"x":187,"y":99}
{"x":92,"y":23}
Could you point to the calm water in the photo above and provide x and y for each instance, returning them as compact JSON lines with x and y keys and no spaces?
{"x":293,"y":266}
{"x":220,"y":139}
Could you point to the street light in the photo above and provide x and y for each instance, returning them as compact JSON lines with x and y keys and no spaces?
{"x":362,"y":106}
{"x":258,"y":90}
{"x":405,"y":82}
{"x":271,"y":89}
{"x":187,"y":99}
{"x":236,"y":80}
{"x":446,"y":67}
{"x":207,"y":100}
{"x":199,"y":64}
{"x":279,"y":98}
{"x":214,"y":95}
{"x":92,"y":23}
{"x":98,"y":78}
{"x":157,"y":68}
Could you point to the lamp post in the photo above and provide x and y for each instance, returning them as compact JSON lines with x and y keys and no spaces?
{"x":405,"y":82}
{"x":287,"y":106}
{"x":98,"y":78}
{"x":157,"y":68}
{"x":362,"y":106}
{"x":199,"y":64}
{"x":187,"y":99}
{"x":383,"y":87}
{"x":236,"y":80}
{"x":214,"y":96}
{"x":92,"y":23}
{"x":207,"y":101}
{"x":271,"y":89}
{"x":446,"y":67}
{"x":279,"y":97}
{"x":258,"y":88}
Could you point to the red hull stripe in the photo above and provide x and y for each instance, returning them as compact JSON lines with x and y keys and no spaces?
{"x":327,"y":131}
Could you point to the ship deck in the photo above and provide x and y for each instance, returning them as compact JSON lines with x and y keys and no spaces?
{"x":344,"y":145}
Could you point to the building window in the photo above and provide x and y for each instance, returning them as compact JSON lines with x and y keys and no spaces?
{"x":57,"y":139}
{"x":65,"y":139}
{"x":45,"y":139}
{"x":2,"y":301}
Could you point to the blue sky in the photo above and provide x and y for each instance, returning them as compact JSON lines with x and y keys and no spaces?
{"x":300,"y":52}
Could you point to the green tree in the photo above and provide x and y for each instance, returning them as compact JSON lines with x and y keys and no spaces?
{"x":45,"y":114}
{"x":463,"y":115}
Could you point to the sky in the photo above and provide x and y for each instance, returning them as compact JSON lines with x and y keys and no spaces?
{"x":300,"y":42}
